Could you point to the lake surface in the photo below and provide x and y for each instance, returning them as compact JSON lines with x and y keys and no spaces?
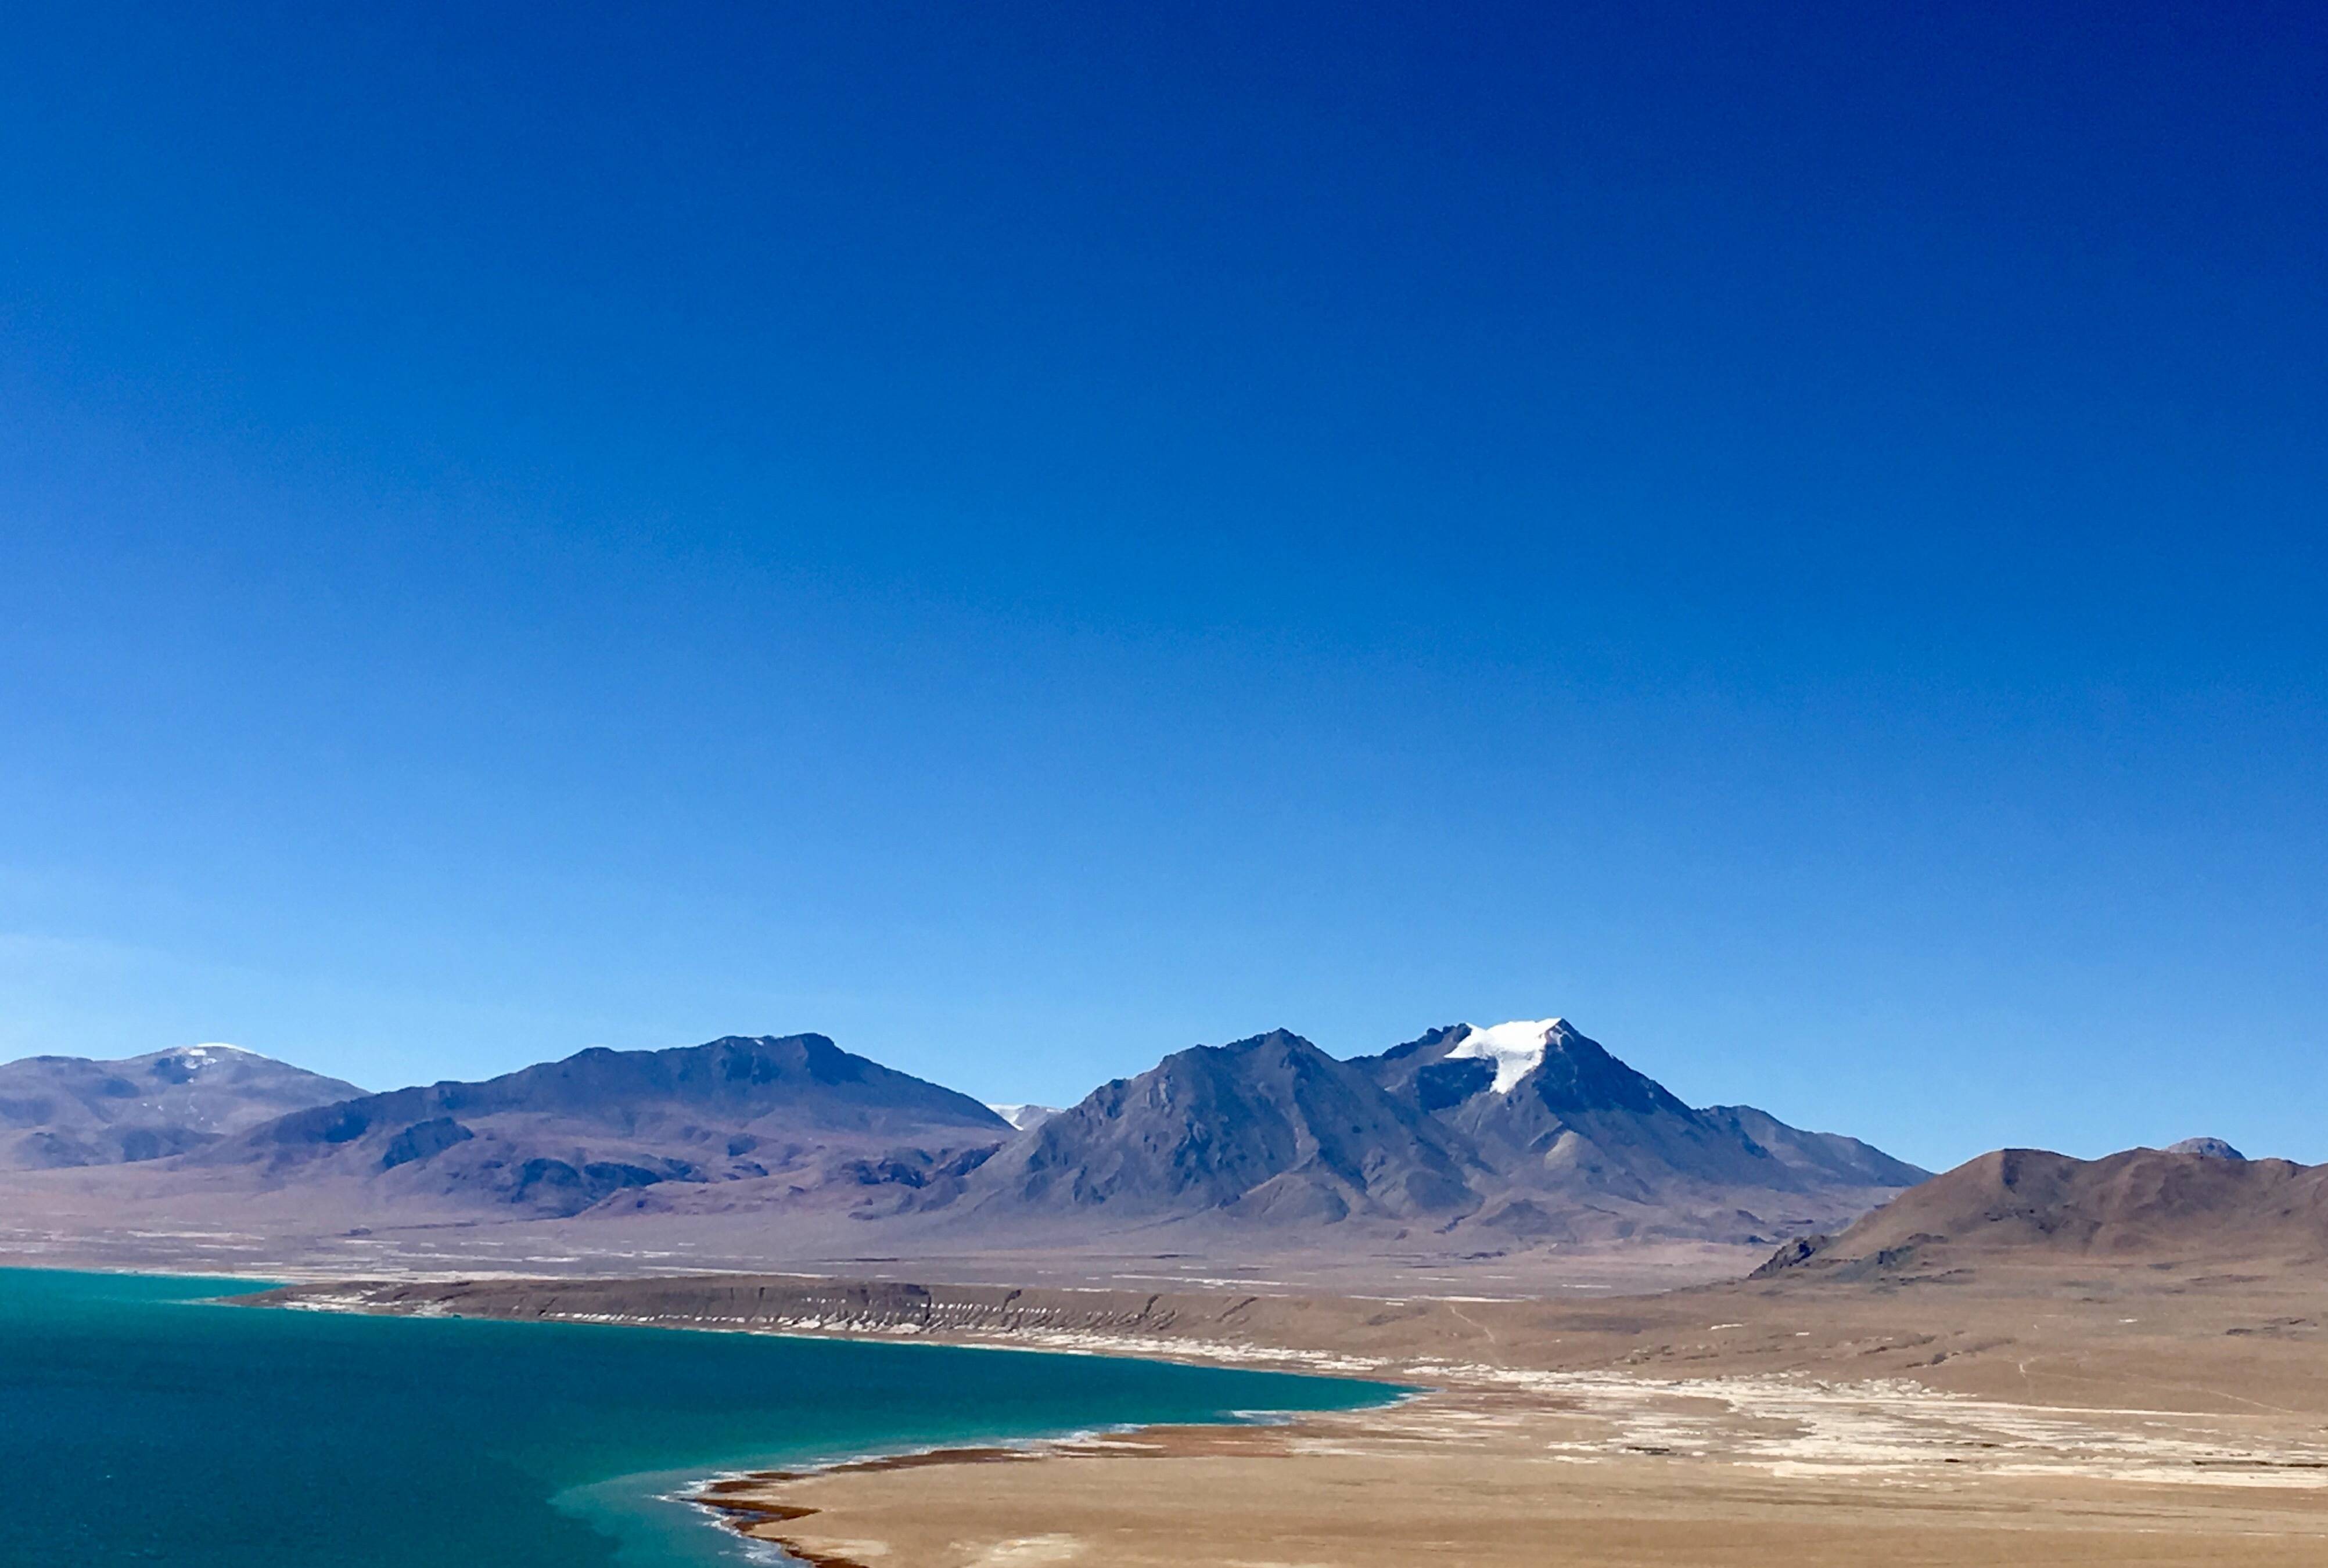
{"x":143,"y":1421}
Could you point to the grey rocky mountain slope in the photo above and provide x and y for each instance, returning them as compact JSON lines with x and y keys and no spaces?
{"x":2212,"y":1148}
{"x":1829,"y":1155}
{"x":783,"y":1117}
{"x":1582,"y":1145}
{"x":59,"y":1112}
{"x":1547,"y":1105}
{"x":1523,"y":1133}
{"x":1268,"y":1130}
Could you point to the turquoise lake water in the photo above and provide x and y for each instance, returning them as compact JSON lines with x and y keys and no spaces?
{"x":142,"y":1422}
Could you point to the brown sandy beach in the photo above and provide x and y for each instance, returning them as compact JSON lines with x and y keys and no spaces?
{"x":2109,"y":1412}
{"x":1460,"y":1484}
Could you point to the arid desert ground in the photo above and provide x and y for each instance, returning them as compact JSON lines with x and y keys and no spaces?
{"x":2126,"y":1410}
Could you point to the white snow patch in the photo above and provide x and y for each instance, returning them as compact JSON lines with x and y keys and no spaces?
{"x":1515,"y":1047}
{"x":1024,"y":1116}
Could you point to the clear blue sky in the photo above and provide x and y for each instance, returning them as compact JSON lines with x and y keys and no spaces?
{"x":1026,"y":536}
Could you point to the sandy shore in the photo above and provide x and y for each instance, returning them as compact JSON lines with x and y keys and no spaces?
{"x":1456,"y":1482}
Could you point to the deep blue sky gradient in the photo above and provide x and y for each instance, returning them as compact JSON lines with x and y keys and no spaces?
{"x":1026,"y":536}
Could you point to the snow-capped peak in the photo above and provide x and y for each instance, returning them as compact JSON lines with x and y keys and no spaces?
{"x":1515,"y":1047}
{"x":1024,"y":1116}
{"x":205,"y":1055}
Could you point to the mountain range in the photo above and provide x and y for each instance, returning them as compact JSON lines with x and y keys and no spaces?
{"x":1512,"y":1135}
{"x":790,"y":1115}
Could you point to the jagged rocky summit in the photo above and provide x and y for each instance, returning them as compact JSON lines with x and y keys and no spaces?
{"x":1521,"y":1132}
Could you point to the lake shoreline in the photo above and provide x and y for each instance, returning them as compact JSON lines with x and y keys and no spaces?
{"x":2088,"y":1416}
{"x":739,"y":1503}
{"x":742,"y":1502}
{"x":562,"y":1447}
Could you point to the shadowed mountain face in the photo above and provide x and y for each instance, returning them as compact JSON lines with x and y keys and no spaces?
{"x":1521,"y":1132}
{"x":788,"y":1115}
{"x":70,"y":1110}
{"x":2027,"y":1205}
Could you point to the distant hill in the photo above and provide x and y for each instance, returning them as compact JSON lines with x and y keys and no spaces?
{"x":1520,"y":1132}
{"x":2030,"y":1205}
{"x":59,"y":1112}
{"x":791,"y":1114}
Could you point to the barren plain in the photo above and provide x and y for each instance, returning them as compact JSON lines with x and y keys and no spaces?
{"x":2122,"y":1411}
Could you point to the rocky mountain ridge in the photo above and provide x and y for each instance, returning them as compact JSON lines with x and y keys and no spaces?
{"x":1521,"y":1134}
{"x":795,"y":1113}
